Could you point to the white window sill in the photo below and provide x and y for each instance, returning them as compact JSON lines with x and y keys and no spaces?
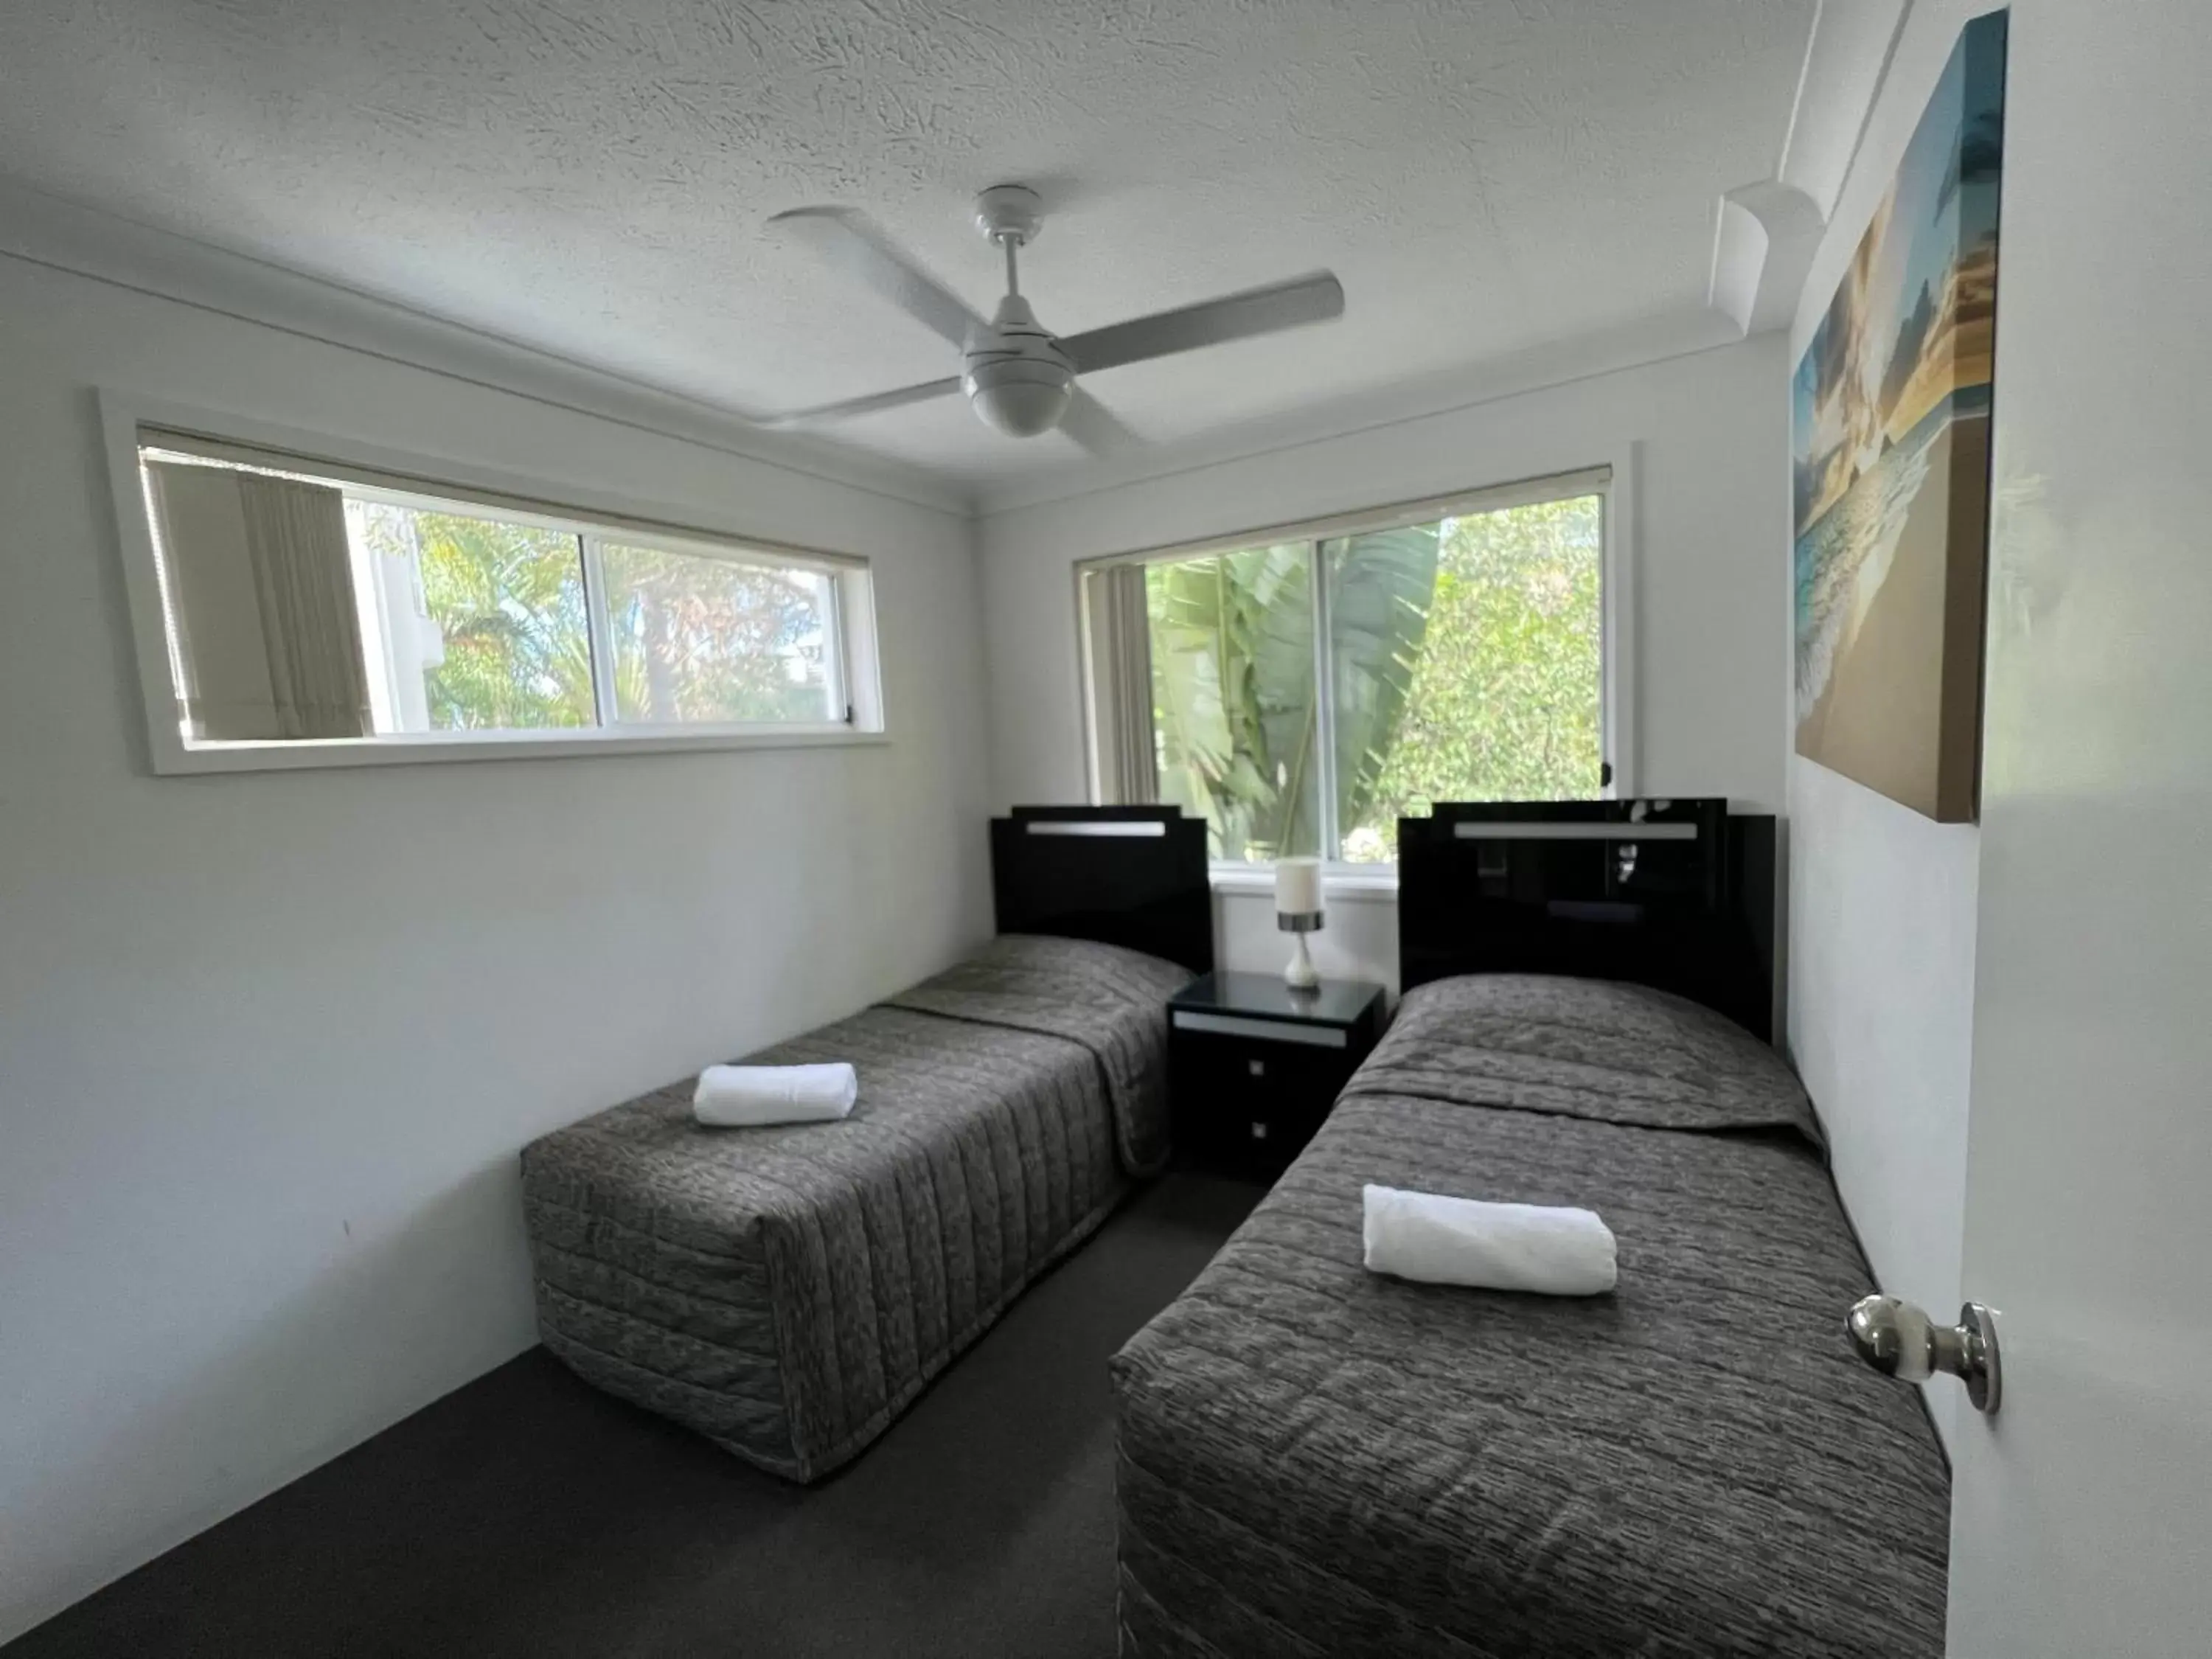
{"x":1352,"y":884}
{"x":416,"y":748}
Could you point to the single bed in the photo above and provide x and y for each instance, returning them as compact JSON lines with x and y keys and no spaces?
{"x":787,"y":1291}
{"x":1314,"y":1460}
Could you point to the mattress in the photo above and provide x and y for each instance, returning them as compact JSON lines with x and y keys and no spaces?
{"x":1316,"y":1460}
{"x":787,"y":1291}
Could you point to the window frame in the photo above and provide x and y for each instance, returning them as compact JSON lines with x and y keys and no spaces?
{"x":1610,"y":479}
{"x":129,"y":422}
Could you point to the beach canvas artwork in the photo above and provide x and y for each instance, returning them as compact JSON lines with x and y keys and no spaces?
{"x":1890,"y":423}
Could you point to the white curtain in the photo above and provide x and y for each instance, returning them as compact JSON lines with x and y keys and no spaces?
{"x":260,"y":582}
{"x":1121,"y":685}
{"x":295,"y":534}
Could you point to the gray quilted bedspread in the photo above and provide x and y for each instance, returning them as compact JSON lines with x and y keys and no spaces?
{"x":1107,"y":1001}
{"x":1316,"y":1460}
{"x":787,"y":1291}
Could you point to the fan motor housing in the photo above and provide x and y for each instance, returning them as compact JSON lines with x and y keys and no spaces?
{"x":1017,"y":378}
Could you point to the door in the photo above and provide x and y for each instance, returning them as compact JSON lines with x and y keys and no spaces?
{"x":2081,"y":1519}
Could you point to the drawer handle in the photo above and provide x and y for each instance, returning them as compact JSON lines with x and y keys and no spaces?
{"x":1259,"y":1131}
{"x":1259,"y":1068}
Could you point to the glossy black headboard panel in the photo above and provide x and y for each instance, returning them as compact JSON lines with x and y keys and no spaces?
{"x":1676,"y":894}
{"x":1134,"y":876}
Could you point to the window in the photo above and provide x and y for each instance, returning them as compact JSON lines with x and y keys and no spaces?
{"x":1303,"y":692}
{"x":707,"y":639}
{"x":309,"y":601}
{"x":469,"y":623}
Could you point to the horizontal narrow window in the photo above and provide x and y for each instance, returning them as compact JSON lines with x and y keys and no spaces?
{"x":1305,"y":691}
{"x":304,"y":601}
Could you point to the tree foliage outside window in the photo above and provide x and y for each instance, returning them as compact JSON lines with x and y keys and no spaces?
{"x":705,"y":639}
{"x":694,"y":638}
{"x":1507,"y":680}
{"x":1234,"y":708}
{"x":509,"y":601}
{"x":1464,"y":663}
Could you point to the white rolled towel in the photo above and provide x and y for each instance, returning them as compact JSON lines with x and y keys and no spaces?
{"x":1497,"y":1247}
{"x":746,"y":1097}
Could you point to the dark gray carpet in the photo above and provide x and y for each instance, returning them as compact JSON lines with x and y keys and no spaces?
{"x":528,"y":1515}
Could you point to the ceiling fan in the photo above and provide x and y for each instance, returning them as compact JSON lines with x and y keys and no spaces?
{"x":1017,"y":375}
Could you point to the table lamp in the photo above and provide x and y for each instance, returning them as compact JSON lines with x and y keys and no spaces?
{"x":1297,"y":911}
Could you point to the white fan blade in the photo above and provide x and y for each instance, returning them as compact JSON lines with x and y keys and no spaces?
{"x":869,"y":406}
{"x":849,"y":241}
{"x":1095,"y":427}
{"x":1316,"y":299}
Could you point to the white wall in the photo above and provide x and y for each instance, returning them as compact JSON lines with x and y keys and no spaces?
{"x":1881,"y":900}
{"x":269,"y":1043}
{"x":1708,"y":493}
{"x":1881,"y":1001}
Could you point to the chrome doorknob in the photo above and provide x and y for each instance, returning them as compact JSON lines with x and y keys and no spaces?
{"x":1898,"y":1340}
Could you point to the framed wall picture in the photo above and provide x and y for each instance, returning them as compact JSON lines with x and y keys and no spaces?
{"x":1890,"y":417}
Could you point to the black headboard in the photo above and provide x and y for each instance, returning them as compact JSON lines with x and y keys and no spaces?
{"x":1676,"y":894}
{"x":1134,"y":876}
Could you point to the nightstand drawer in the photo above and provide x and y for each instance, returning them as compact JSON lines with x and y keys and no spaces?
{"x":1252,"y":1136}
{"x":1244,"y":1103}
{"x":1256,"y":1142}
{"x":1245,"y":1066}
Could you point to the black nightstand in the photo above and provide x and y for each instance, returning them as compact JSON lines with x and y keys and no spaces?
{"x":1254,"y":1067}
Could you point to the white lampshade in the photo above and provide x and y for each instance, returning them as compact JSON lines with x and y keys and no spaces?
{"x":1297,"y":887}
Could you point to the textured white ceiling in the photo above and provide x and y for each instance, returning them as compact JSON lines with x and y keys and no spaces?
{"x":591,"y":177}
